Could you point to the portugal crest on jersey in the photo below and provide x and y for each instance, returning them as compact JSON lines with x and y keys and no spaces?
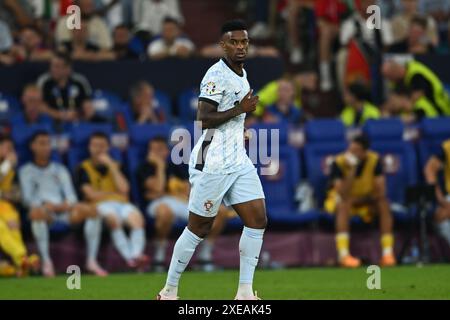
{"x":208,"y":205}
{"x":210,"y":88}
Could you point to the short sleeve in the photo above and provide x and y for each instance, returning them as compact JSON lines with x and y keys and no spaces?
{"x":211,"y":88}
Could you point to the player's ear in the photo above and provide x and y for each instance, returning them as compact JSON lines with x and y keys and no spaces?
{"x":222,"y":44}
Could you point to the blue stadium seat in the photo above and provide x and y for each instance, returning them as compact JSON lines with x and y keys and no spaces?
{"x":9,"y":106}
{"x":134,"y":158}
{"x":282,"y":129}
{"x":433,"y":133}
{"x":324,"y":130}
{"x":324,"y":139}
{"x":384,"y":129}
{"x":141,"y":134}
{"x":187,"y":105}
{"x":318,"y":160}
{"x":106,"y":104}
{"x":280,"y":188}
{"x":398,"y":157}
{"x":162,"y":100}
{"x":80,"y":133}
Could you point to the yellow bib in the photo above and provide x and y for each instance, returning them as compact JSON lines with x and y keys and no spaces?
{"x":103,"y":183}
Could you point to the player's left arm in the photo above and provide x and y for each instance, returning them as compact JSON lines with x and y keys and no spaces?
{"x":211,"y":118}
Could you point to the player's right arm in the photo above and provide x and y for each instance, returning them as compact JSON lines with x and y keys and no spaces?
{"x":211,"y":118}
{"x":433,"y":166}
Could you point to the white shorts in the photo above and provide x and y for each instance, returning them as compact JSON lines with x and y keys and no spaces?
{"x":120,"y":209}
{"x":209,"y":190}
{"x":178,"y":207}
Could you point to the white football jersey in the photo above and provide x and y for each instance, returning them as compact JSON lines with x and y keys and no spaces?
{"x":221,"y":150}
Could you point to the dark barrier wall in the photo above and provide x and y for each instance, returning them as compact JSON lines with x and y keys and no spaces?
{"x":171,"y":75}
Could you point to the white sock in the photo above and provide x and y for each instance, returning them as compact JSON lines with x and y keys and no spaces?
{"x":249,"y":249}
{"x":121,"y":243}
{"x":92,"y":234}
{"x":182,"y":254}
{"x":205,"y":251}
{"x":40,"y":232}
{"x":137,"y":238}
{"x":444,"y":230}
{"x":160,"y":251}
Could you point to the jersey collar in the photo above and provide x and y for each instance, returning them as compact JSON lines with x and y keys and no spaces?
{"x":229,"y":66}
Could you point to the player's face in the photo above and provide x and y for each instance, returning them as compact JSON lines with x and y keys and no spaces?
{"x":235,"y":45}
{"x":59,"y":69}
{"x":357,"y":150}
{"x":6,"y":147}
{"x":159,"y":149}
{"x":97,"y":147}
{"x":41,"y":147}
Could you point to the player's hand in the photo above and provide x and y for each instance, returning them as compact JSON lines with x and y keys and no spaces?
{"x":153,"y":158}
{"x":105,"y":159}
{"x":249,"y":102}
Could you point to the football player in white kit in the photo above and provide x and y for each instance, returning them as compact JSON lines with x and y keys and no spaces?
{"x":219,"y":168}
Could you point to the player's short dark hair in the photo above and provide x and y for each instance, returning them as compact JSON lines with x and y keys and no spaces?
{"x":158,"y":139}
{"x":233,"y":25}
{"x":420,"y":21}
{"x":99,"y":135}
{"x":362,"y":140}
{"x":359,"y":91}
{"x":37,"y":134}
{"x":64,"y":57}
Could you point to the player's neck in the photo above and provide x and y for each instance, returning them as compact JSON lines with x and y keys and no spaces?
{"x":235,"y":66}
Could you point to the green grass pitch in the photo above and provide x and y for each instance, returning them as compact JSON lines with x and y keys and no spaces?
{"x":406,"y":282}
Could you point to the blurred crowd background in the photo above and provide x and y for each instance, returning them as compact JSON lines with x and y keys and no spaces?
{"x":132,"y":70}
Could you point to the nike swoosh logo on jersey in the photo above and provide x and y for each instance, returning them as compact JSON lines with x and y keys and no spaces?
{"x":237,"y":92}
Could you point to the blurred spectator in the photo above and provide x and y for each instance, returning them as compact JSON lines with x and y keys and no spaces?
{"x":165,"y":188}
{"x":401,"y":23}
{"x":329,"y":14}
{"x":303,"y":82}
{"x":171,"y":42}
{"x":421,"y":81}
{"x":102,"y":183}
{"x":6,"y":43}
{"x":49,"y":196}
{"x":436,"y":164}
{"x":358,"y":187}
{"x":33,"y":108}
{"x":98,"y":31}
{"x":440,"y":11}
{"x":148,"y":15}
{"x":79,"y":47}
{"x":143,"y":104}
{"x":16,"y":13}
{"x":30,"y":46}
{"x":89,"y":114}
{"x":11,"y":241}
{"x":121,"y":46}
{"x":284,"y":109}
{"x":400,"y":103}
{"x":63,"y":90}
{"x":295,"y":8}
{"x":417,"y":41}
{"x":362,"y":46}
{"x":358,"y":109}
